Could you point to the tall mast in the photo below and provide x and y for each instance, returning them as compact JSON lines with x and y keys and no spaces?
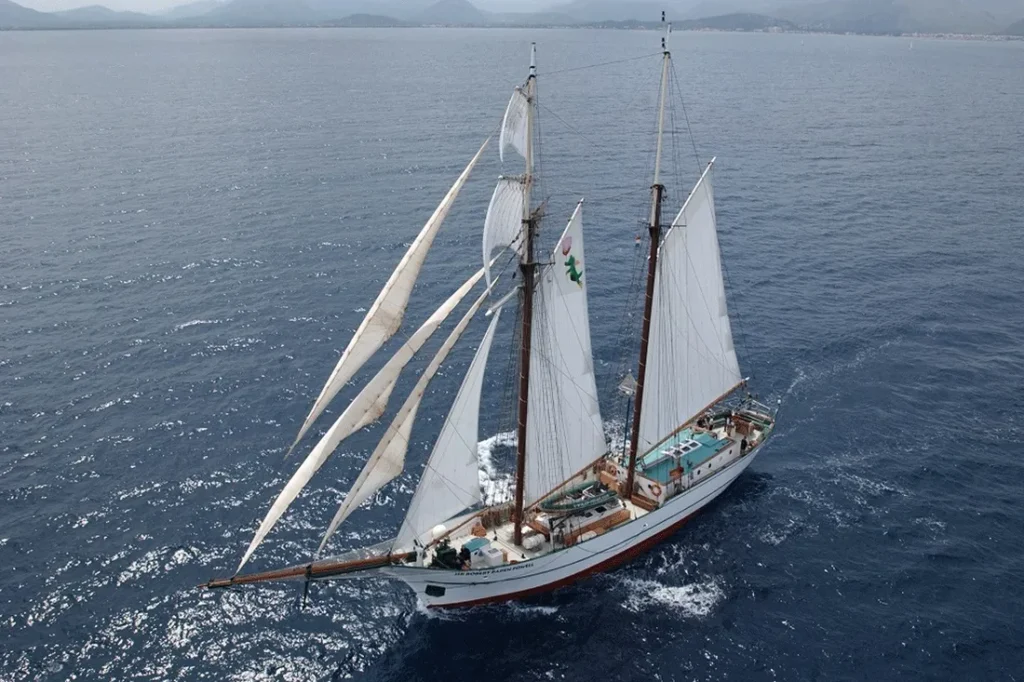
{"x":657,"y":193}
{"x":527,"y":268}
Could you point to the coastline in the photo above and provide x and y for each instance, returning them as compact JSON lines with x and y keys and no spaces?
{"x":986,"y":37}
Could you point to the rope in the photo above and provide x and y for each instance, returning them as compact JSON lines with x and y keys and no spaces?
{"x":686,"y":117}
{"x":595,"y":66}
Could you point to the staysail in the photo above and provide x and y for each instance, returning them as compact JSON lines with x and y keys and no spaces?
{"x":385,"y":316}
{"x":503,"y":226}
{"x":366,"y":408}
{"x":691,"y":360}
{"x":388,"y":459}
{"x":564,"y":432}
{"x":451,"y":479}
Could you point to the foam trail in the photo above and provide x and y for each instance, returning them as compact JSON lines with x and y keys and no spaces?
{"x":496,"y":486}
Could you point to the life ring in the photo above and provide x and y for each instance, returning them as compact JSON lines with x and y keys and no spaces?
{"x":655,"y":490}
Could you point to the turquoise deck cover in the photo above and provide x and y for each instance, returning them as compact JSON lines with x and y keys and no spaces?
{"x":476,"y":543}
{"x":658,"y":463}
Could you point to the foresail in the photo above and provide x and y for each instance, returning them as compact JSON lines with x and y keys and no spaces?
{"x":388,"y":459}
{"x":366,"y":408}
{"x":691,"y":360}
{"x":514,"y":127}
{"x":385,"y":316}
{"x":503,"y":225}
{"x":564,"y":432}
{"x":451,"y":478}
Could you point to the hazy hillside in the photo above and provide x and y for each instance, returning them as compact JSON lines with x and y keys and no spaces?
{"x":99,"y":15}
{"x":855,"y":16}
{"x":860,"y":16}
{"x":901,"y":16}
{"x":461,"y":12}
{"x":531,"y":19}
{"x":15,"y":16}
{"x":616,"y":10}
{"x":243,"y":13}
{"x":367,"y":21}
{"x":192,"y":9}
{"x":739,"y":21}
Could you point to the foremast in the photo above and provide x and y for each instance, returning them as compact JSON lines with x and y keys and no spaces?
{"x":654,"y":230}
{"x":527,"y":268}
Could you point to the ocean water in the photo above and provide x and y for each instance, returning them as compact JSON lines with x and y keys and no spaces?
{"x":193,"y":222}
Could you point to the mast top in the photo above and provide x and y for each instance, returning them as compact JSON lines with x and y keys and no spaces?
{"x":668,"y":32}
{"x":533,"y":60}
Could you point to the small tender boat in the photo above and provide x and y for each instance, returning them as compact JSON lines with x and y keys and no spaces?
{"x":577,"y":499}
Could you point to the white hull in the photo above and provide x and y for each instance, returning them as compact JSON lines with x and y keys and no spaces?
{"x":439,"y":588}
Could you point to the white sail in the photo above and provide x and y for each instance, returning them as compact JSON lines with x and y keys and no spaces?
{"x":503,"y":225}
{"x":388,"y":458}
{"x":366,"y":408}
{"x":515,"y":130}
{"x":564,"y":432}
{"x":385,"y":316}
{"x":691,"y":360}
{"x":451,"y":478}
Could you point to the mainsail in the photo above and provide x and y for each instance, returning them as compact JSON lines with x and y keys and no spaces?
{"x":366,"y":408}
{"x":451,"y":478}
{"x":691,"y":359}
{"x":565,"y":432}
{"x":388,"y":459}
{"x":385,"y":316}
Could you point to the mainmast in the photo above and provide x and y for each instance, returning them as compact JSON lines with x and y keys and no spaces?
{"x":657,"y":193}
{"x":527,"y":268}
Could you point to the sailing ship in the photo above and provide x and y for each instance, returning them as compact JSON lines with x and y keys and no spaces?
{"x":579,"y":506}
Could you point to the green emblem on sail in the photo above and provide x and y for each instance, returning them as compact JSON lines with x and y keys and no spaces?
{"x":574,"y":267}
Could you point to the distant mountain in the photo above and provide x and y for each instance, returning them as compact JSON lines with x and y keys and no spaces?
{"x":103,"y":16}
{"x":14,"y":16}
{"x":453,"y":12}
{"x":714,"y":8}
{"x":854,"y":16}
{"x":192,"y":9}
{"x":615,"y":10}
{"x":341,"y":9}
{"x":899,"y":16}
{"x":251,"y":13}
{"x":841,"y":16}
{"x":366,"y":21}
{"x":530,"y":19}
{"x":740,"y":21}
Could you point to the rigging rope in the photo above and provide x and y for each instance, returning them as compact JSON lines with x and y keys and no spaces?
{"x":686,"y":116}
{"x":595,"y":66}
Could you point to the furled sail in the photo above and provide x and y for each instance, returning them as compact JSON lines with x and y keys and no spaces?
{"x":515,"y":130}
{"x":366,"y":408}
{"x":388,"y":459}
{"x":564,"y":432}
{"x":451,"y":479}
{"x":503,"y":226}
{"x":691,"y":360}
{"x":385,"y":316}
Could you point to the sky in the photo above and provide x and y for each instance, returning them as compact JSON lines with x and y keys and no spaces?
{"x":152,"y":6}
{"x":131,"y":5}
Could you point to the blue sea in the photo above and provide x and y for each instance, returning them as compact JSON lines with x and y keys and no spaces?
{"x":192,"y":223}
